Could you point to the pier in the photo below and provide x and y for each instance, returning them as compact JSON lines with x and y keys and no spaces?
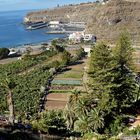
{"x":76,"y":24}
{"x":60,"y":32}
{"x":35,"y":26}
{"x":57,"y":25}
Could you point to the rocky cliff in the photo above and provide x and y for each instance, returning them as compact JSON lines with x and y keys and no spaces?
{"x":106,"y":21}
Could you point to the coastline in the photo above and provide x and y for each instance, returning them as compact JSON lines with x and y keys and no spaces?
{"x":36,"y":49}
{"x":33,"y":46}
{"x":14,"y":34}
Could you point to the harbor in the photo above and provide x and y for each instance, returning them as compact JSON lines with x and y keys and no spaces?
{"x":57,"y":27}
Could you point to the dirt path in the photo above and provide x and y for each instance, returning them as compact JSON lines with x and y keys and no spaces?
{"x":8,"y":60}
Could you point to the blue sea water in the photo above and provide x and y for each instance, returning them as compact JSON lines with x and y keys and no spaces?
{"x":13,"y":33}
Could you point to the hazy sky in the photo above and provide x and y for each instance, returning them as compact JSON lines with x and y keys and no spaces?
{"x":7,"y":5}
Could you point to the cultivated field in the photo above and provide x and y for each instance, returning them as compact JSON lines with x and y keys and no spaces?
{"x":63,"y":85}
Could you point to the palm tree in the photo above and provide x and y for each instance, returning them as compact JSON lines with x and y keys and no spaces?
{"x":69,"y":113}
{"x":70,"y":117}
{"x":9,"y":85}
{"x":82,"y":125}
{"x":81,"y":108}
{"x":96,"y":119}
{"x":75,"y":95}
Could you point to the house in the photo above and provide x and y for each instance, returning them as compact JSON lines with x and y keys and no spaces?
{"x":89,"y":37}
{"x":76,"y":37}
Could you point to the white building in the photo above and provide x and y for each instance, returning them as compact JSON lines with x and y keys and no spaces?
{"x":79,"y":36}
{"x":76,"y":37}
{"x":54,"y":24}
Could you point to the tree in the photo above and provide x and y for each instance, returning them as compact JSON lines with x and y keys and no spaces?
{"x":96,"y":119}
{"x":112,"y":89}
{"x":65,"y":57}
{"x":101,"y":58}
{"x":79,"y":54}
{"x":82,"y":125}
{"x":8,"y":84}
{"x":50,"y":121}
{"x":123,"y":50}
{"x":4,"y":52}
{"x":69,"y":112}
{"x":126,"y":89}
{"x":101,"y":75}
{"x":91,"y":108}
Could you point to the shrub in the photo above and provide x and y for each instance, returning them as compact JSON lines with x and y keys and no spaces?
{"x":134,"y":131}
{"x":4,"y":52}
{"x":50,"y":122}
{"x":116,"y":126}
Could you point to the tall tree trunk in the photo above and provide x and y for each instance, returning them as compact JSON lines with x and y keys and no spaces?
{"x":11,"y":107}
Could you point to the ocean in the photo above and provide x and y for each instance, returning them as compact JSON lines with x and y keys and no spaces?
{"x":13,"y":33}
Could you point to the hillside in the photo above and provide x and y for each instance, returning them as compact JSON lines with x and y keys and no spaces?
{"x":79,"y":12}
{"x":105,"y":21}
{"x":108,"y":20}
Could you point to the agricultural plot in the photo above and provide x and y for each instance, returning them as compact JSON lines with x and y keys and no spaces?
{"x":52,"y":105}
{"x":71,"y":74}
{"x":58,"y":97}
{"x":67,"y":82}
{"x":63,"y":85}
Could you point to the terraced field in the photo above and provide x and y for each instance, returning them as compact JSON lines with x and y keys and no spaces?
{"x":63,"y":84}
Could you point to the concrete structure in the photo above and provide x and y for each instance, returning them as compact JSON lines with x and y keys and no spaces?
{"x":87,"y":49}
{"x":13,"y":53}
{"x":89,"y":37}
{"x":26,"y":19}
{"x":54,"y":24}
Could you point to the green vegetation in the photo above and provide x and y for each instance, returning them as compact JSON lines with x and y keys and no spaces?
{"x":51,"y":122}
{"x":102,"y":112}
{"x":112,"y":92}
{"x":4,"y":52}
{"x":71,"y":74}
{"x":79,"y":54}
{"x":26,"y":92}
{"x":9,"y":85}
{"x":17,"y":135}
{"x":65,"y":82}
{"x":60,"y":91}
{"x":29,"y":75}
{"x":133,"y":132}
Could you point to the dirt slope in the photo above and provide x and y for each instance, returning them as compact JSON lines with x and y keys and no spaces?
{"x":108,"y":20}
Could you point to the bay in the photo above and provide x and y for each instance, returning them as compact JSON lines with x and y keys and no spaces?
{"x":13,"y":33}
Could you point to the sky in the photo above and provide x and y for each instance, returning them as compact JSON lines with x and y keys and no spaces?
{"x":9,"y":5}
